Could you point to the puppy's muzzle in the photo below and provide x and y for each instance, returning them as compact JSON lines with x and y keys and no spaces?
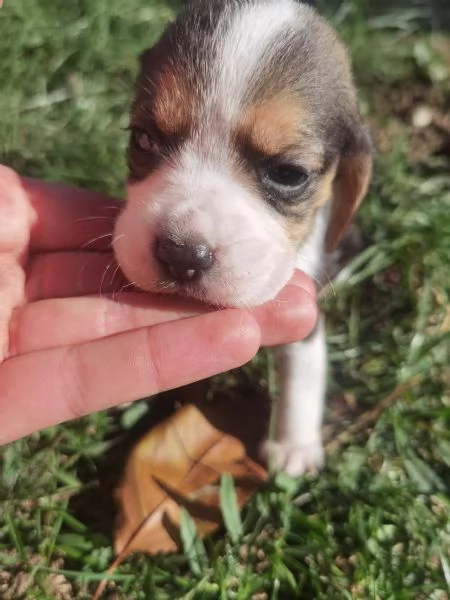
{"x":184,"y":260}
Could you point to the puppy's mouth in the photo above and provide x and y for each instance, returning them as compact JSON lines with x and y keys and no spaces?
{"x":190,"y":291}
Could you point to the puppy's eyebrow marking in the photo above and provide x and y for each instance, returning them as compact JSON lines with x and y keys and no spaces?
{"x":280,"y":127}
{"x":173,"y":103}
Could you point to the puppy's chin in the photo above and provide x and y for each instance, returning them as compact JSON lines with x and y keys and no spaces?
{"x":253,"y":259}
{"x":221,"y":296}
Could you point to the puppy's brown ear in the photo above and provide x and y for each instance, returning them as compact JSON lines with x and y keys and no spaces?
{"x":351,"y":182}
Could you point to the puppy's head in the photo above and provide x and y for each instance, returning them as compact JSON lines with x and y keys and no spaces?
{"x":244,"y":125}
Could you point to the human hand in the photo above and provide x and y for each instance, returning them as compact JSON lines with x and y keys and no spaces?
{"x":74,"y":339}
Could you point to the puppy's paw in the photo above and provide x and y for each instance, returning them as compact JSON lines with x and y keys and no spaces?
{"x":295,"y":459}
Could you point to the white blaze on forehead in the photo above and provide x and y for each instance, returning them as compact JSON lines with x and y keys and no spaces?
{"x":254,"y":31}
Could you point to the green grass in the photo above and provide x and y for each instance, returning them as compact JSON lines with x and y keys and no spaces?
{"x":375,"y":524}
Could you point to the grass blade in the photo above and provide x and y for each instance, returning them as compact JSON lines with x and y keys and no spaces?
{"x":15,"y":536}
{"x":230,"y":509}
{"x":192,"y":544}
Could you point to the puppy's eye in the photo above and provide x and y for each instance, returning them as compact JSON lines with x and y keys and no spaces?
{"x":143,"y":142}
{"x":285,"y":175}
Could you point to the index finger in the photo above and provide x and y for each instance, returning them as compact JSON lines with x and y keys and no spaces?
{"x":64,"y":383}
{"x":69,"y":218}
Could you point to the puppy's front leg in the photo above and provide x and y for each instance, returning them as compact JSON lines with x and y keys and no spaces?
{"x":297,"y":446}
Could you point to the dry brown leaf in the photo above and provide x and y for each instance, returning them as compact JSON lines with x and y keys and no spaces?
{"x":179,"y":463}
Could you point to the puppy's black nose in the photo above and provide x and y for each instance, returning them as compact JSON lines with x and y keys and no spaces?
{"x":184,"y":261}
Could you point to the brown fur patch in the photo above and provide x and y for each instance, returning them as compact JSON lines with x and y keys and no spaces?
{"x":277,"y":126}
{"x":173,"y":103}
{"x":298,"y":228}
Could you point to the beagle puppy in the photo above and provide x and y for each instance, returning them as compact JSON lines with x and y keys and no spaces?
{"x":247,"y":159}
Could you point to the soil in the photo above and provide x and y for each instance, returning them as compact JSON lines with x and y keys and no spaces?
{"x":417,"y":109}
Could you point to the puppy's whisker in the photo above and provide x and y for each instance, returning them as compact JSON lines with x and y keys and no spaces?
{"x":90,"y":258}
{"x":165,"y":285}
{"x":115,"y":272}
{"x":329,"y":281}
{"x":332,"y":288}
{"x":113,"y":207}
{"x":123,"y":288}
{"x":128,"y":285}
{"x":96,"y":218}
{"x":97,"y":239}
{"x":105,"y":273}
{"x":314,"y":268}
{"x":107,"y":218}
{"x":116,"y":238}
